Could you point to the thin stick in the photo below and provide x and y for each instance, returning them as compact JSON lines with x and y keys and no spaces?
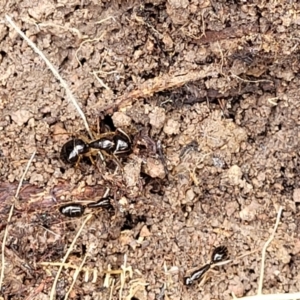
{"x":52,"y":294}
{"x":289,"y":296}
{"x":260,"y":296}
{"x":78,"y":270}
{"x":9,"y":218}
{"x":101,"y":81}
{"x":24,"y":174}
{"x":87,"y":41}
{"x":261,"y":278}
{"x":254,"y":81}
{"x":111,"y":289}
{"x":63,"y":83}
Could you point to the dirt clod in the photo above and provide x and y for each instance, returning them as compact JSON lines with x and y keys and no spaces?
{"x":21,"y":116}
{"x":154,"y":168}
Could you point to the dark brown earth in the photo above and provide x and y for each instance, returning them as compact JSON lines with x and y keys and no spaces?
{"x":217,"y":82}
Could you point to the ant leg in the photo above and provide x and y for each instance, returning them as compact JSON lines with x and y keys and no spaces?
{"x":89,"y":155}
{"x":101,"y":156}
{"x":94,"y":152}
{"x":203,"y":280}
{"x":84,"y":138}
{"x":77,"y":163}
{"x":114,"y":158}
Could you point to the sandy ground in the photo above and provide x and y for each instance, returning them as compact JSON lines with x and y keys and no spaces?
{"x":215,"y":82}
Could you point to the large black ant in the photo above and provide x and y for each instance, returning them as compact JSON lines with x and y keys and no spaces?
{"x":219,"y":255}
{"x":110,"y":144}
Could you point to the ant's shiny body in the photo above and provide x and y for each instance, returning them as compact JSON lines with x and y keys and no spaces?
{"x":219,"y":255}
{"x":74,"y":210}
{"x":111,"y":144}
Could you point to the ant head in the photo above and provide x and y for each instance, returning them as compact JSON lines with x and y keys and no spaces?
{"x":219,"y":254}
{"x":187,"y":281}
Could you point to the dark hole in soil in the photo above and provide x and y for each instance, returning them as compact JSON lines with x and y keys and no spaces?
{"x":83,"y":249}
{"x":131,"y":221}
{"x":2,"y":53}
{"x":82,"y":61}
{"x":107,"y":121}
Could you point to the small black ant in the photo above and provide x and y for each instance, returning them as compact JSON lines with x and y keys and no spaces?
{"x":111,"y":144}
{"x":102,"y":203}
{"x":220,"y":254}
{"x":74,"y":210}
{"x":72,"y":150}
{"x":77,"y":209}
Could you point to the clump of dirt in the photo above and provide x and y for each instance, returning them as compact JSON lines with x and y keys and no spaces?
{"x":207,"y":92}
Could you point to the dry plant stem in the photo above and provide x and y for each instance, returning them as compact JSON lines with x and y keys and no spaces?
{"x":9,"y":218}
{"x":254,"y":81}
{"x":78,"y":270}
{"x":101,"y":81}
{"x":52,"y":294}
{"x":162,"y":83}
{"x":259,"y":291}
{"x":111,"y":289}
{"x":55,"y":73}
{"x":259,"y":296}
{"x":290,"y":296}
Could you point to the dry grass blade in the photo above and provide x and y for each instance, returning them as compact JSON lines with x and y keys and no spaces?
{"x":260,"y":296}
{"x":111,"y":289}
{"x":75,"y":277}
{"x":125,"y":269}
{"x":162,"y":83}
{"x":52,"y":294}
{"x":289,"y":296}
{"x":63,"y":83}
{"x":9,"y":218}
{"x":259,"y":292}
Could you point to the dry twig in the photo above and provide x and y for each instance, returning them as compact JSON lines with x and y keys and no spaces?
{"x":9,"y":218}
{"x":63,"y":83}
{"x":259,"y":295}
{"x":52,"y":294}
{"x":261,"y":278}
{"x":78,"y":270}
{"x":162,"y":83}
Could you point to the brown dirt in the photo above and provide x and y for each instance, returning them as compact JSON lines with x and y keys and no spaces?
{"x":217,"y":82}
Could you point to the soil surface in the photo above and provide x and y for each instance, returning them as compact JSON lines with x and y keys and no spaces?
{"x":207,"y":91}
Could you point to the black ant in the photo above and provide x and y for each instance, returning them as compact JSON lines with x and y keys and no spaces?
{"x":110,"y":144}
{"x":219,"y":255}
{"x":74,"y":210}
